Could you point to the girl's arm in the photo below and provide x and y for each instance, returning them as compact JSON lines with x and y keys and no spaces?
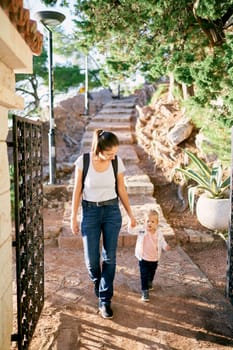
{"x":76,"y":198}
{"x":125,"y":199}
{"x":164,"y":243}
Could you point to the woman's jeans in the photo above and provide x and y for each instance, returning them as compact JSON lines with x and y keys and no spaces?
{"x":147,"y":272}
{"x":96,"y":220}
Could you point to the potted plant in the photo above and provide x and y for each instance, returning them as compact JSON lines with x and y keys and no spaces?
{"x":213,"y":203}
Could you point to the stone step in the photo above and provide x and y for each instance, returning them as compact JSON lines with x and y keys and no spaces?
{"x":124,"y":119}
{"x":69,"y":241}
{"x":127,"y":103}
{"x":116,"y":110}
{"x":120,"y":105}
{"x":112,"y":126}
{"x":139,"y":207}
{"x":139,"y":184}
{"x":128,"y":155}
{"x":125,"y":137}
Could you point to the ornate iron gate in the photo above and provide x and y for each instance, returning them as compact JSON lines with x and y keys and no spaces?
{"x":29,"y":235}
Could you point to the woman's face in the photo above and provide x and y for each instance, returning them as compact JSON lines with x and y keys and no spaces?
{"x":109,"y":153}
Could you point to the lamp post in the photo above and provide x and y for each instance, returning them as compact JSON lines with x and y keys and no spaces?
{"x":86,"y":108}
{"x":51,"y":19}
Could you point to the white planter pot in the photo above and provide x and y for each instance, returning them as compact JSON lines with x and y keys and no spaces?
{"x":213,"y":213}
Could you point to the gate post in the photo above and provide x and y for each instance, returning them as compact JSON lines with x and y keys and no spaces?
{"x":229,"y":285}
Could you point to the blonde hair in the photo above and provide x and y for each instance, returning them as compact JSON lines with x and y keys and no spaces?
{"x":153,"y":212}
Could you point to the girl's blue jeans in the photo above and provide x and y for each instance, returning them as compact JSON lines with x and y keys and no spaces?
{"x":100,"y":221}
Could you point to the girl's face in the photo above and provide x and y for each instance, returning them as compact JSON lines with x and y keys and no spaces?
{"x":109,"y":153}
{"x":151,"y":223}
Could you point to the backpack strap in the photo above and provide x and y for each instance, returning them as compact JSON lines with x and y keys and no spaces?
{"x":115,"y":170}
{"x":86,"y":162}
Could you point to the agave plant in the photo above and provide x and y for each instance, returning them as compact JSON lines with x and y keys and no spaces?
{"x":208,"y":179}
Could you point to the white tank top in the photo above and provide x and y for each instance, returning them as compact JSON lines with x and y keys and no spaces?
{"x":99,"y":186}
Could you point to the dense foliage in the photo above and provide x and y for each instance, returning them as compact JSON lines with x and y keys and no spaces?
{"x":185,"y":37}
{"x":190,"y":39}
{"x":158,"y":37}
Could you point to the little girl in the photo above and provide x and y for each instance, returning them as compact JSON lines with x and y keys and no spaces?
{"x":149,"y":245}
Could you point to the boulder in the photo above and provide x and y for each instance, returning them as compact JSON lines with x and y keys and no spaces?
{"x":180,"y":132}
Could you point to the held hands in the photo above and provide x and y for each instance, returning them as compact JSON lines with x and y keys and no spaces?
{"x":132,"y":222}
{"x":74,"y":226}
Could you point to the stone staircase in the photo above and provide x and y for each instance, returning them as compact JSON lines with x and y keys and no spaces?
{"x":119,"y":117}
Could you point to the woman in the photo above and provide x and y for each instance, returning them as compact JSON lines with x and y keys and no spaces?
{"x":100,"y":213}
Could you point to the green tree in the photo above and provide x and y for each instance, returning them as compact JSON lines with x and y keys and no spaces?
{"x":153,"y":36}
{"x":185,"y":38}
{"x":189,"y":40}
{"x":74,"y":66}
{"x":66,"y":75}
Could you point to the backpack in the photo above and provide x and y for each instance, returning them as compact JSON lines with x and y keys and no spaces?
{"x":86,"y":162}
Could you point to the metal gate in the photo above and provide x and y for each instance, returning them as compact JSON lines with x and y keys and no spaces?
{"x":29,"y":235}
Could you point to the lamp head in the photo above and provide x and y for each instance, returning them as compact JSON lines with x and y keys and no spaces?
{"x":50,"y":18}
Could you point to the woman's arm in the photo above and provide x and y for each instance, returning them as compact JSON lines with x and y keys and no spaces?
{"x":76,"y":198}
{"x":125,"y":199}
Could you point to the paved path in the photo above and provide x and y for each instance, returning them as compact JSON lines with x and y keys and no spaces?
{"x":185,"y":311}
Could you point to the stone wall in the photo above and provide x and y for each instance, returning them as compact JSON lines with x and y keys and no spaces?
{"x":5,"y":239}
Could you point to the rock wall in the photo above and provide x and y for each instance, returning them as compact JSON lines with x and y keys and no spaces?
{"x":163,"y":131}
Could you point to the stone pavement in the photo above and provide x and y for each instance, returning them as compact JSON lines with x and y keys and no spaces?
{"x":185,"y":312}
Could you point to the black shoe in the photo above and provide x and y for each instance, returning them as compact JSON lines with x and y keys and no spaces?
{"x":145,"y":295}
{"x":106,"y":311}
{"x":150,"y":285}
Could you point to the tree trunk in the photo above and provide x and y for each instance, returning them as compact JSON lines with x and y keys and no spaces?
{"x":170,"y":97}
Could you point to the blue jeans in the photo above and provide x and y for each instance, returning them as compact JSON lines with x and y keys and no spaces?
{"x":96,"y":220}
{"x":147,"y":272}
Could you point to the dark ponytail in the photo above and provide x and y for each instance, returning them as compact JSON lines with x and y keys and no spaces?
{"x":103,"y":140}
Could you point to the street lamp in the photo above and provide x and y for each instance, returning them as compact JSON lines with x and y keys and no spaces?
{"x":51,"y":19}
{"x":86,"y":108}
